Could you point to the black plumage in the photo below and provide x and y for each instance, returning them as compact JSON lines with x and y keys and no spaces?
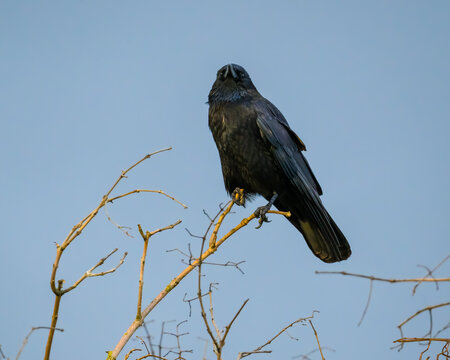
{"x":261,"y":154}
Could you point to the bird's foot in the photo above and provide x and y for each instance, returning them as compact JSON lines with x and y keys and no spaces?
{"x":261,"y":212}
{"x":238,"y":197}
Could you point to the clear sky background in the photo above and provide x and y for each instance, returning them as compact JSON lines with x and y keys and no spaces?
{"x":89,"y":87}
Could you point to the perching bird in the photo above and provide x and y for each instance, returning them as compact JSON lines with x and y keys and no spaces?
{"x":260,"y":154}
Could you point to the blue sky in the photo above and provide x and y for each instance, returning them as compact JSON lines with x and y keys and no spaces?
{"x":88,"y":88}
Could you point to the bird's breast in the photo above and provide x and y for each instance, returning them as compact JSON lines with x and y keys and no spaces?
{"x":245,"y":157}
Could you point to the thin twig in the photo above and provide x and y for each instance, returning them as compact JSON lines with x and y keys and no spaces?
{"x":144,"y":324}
{"x":228,"y":327}
{"x":317,"y":338}
{"x":153,"y":356}
{"x":211,"y":312}
{"x":367,"y":304}
{"x":146,"y":238}
{"x":408,"y":340}
{"x":90,"y":273}
{"x":430,"y":273}
{"x":258,"y":350}
{"x":25,"y":340}
{"x":143,"y":343}
{"x":130,"y":352}
{"x":216,"y":348}
{"x":120,"y":227}
{"x":374,"y":278}
{"x":137,"y":191}
{"x":427,"y":308}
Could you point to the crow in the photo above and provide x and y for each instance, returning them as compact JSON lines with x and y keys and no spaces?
{"x":261,"y":154}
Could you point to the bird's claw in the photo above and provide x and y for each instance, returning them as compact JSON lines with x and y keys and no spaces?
{"x":238,"y":197}
{"x":260,"y":213}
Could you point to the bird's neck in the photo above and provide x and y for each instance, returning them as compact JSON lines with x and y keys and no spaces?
{"x":227,"y":95}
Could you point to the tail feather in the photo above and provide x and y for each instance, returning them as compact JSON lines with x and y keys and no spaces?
{"x":322,"y":235}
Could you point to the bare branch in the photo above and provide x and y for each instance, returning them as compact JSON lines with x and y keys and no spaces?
{"x":317,"y":338}
{"x":216,"y":348}
{"x":228,"y":327}
{"x":123,"y":175}
{"x":259,"y":348}
{"x":430,"y":273}
{"x":374,"y":278}
{"x":144,"y":324}
{"x":177,"y":335}
{"x":153,"y":356}
{"x":90,"y":273}
{"x":1,"y":352}
{"x":112,"y":355}
{"x":367,"y":304}
{"x":122,"y":228}
{"x":25,"y":340}
{"x":211,"y":312}
{"x":146,"y":238}
{"x":408,"y":340}
{"x":130,"y":352}
{"x":428,"y":308}
{"x":143,"y":343}
{"x":137,"y":191}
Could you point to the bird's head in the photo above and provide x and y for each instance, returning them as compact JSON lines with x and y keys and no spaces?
{"x":232,"y":84}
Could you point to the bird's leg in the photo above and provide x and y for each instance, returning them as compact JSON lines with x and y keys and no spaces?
{"x":238,"y":197}
{"x":262,"y":210}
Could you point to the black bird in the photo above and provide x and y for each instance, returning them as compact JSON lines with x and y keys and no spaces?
{"x":261,"y":154}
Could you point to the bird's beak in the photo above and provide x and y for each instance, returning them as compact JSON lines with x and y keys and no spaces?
{"x":230,"y":70}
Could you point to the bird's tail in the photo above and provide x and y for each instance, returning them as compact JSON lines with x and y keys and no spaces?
{"x":323,"y":237}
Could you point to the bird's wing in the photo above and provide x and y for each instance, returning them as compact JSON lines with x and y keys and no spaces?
{"x":308,"y":213}
{"x":283,"y":138}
